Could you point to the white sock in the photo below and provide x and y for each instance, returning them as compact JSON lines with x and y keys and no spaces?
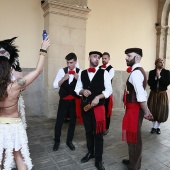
{"x":154,"y":124}
{"x":159,"y":124}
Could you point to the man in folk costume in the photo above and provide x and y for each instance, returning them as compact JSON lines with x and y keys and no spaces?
{"x":158,"y":103}
{"x":69,"y":102}
{"x":109,"y":100}
{"x":136,"y":108}
{"x":94,"y":85}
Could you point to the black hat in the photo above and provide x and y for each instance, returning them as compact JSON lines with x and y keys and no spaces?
{"x":95,"y":52}
{"x":71,"y":56}
{"x":135,"y":50}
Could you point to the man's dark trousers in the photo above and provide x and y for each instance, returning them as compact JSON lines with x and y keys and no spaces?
{"x":106,"y":113}
{"x":65,"y":106}
{"x":94,"y":141}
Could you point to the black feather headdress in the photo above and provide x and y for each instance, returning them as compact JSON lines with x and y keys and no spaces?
{"x":9,"y":46}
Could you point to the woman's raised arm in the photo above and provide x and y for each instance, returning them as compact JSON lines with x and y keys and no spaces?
{"x":22,"y":83}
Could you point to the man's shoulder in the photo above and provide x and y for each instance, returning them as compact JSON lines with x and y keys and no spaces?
{"x":165,"y":70}
{"x":152,"y":71}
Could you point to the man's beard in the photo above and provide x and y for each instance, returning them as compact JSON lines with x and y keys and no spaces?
{"x":94,"y":64}
{"x":131,"y":62}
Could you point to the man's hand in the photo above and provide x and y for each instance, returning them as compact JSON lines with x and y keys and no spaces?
{"x":86,"y":93}
{"x":66,"y":76}
{"x":95,"y":101}
{"x":148,"y":116}
{"x":76,"y":76}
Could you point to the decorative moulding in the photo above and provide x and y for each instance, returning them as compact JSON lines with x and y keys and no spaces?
{"x":52,"y":6}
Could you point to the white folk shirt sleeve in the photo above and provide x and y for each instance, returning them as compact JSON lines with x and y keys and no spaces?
{"x":136,"y":79}
{"x":111,"y":73}
{"x":59,"y":76}
{"x":107,"y":84}
{"x":79,"y":85}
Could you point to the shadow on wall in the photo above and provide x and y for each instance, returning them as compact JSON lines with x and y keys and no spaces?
{"x":33,"y":95}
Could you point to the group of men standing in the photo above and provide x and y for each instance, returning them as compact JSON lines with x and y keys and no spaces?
{"x":93,"y":87}
{"x":88,"y":93}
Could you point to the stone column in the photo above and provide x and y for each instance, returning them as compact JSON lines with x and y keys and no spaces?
{"x":161,"y":41}
{"x":167,"y":59}
{"x":65,"y":22}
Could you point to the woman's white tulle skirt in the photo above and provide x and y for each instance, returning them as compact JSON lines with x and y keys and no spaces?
{"x":13,"y":137}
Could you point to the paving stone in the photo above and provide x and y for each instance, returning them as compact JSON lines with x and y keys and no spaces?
{"x":156,"y":148}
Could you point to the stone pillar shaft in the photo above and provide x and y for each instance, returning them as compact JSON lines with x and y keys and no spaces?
{"x":65,"y":22}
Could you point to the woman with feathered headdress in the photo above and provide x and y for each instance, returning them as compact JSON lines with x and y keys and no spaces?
{"x":13,"y":137}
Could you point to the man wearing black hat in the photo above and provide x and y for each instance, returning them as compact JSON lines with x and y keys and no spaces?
{"x":66,"y":80}
{"x":109,"y":100}
{"x":94,"y":85}
{"x":136,"y":108}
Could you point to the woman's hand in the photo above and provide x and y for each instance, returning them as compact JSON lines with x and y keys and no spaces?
{"x":45,"y":43}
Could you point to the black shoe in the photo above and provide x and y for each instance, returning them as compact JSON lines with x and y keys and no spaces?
{"x":158,"y":131}
{"x":70,"y":145}
{"x":126,"y":162}
{"x":56,"y":146}
{"x":105,"y":133}
{"x":99,"y":165}
{"x":153,"y":130}
{"x":87,"y":157}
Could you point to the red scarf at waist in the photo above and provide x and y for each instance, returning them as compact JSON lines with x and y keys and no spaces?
{"x":99,"y":113}
{"x":110,"y":106}
{"x":78,"y":107}
{"x":130,"y":123}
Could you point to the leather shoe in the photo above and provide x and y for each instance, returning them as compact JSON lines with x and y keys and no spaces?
{"x":99,"y":165}
{"x":87,"y":157}
{"x":158,"y":131}
{"x":56,"y":146}
{"x":153,"y":130}
{"x":70,"y":145}
{"x":126,"y":162}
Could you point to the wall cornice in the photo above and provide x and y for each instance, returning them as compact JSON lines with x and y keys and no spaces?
{"x":52,"y":6}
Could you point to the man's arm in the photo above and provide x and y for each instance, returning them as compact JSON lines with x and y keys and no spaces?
{"x":147,"y":113}
{"x":60,"y":78}
{"x":106,"y":93}
{"x":136,"y":79}
{"x":111,"y":73}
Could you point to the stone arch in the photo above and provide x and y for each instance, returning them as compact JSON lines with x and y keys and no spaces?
{"x":163,"y":32}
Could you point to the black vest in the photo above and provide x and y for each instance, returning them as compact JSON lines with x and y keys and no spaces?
{"x":96,"y":86}
{"x":108,"y":69}
{"x":66,"y":88}
{"x":131,"y":97}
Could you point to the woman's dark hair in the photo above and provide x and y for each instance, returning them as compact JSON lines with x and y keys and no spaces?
{"x":5,"y":77}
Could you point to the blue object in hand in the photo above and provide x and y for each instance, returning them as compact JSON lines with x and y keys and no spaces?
{"x":44,"y":34}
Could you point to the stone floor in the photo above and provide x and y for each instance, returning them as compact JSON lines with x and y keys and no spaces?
{"x":156,"y":148}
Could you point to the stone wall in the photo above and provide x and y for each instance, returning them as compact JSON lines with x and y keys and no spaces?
{"x":33,"y":95}
{"x":34,"y":100}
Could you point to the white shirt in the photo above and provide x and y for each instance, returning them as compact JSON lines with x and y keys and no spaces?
{"x":111,"y":71}
{"x":136,"y":79}
{"x":107,"y":83}
{"x":61,"y":74}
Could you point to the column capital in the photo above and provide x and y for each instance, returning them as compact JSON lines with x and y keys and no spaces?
{"x":60,"y":8}
{"x":162,"y":29}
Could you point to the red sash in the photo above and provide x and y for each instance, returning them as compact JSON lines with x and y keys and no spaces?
{"x":110,"y":106}
{"x":99,"y":113}
{"x":78,"y":107}
{"x":130,"y":123}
